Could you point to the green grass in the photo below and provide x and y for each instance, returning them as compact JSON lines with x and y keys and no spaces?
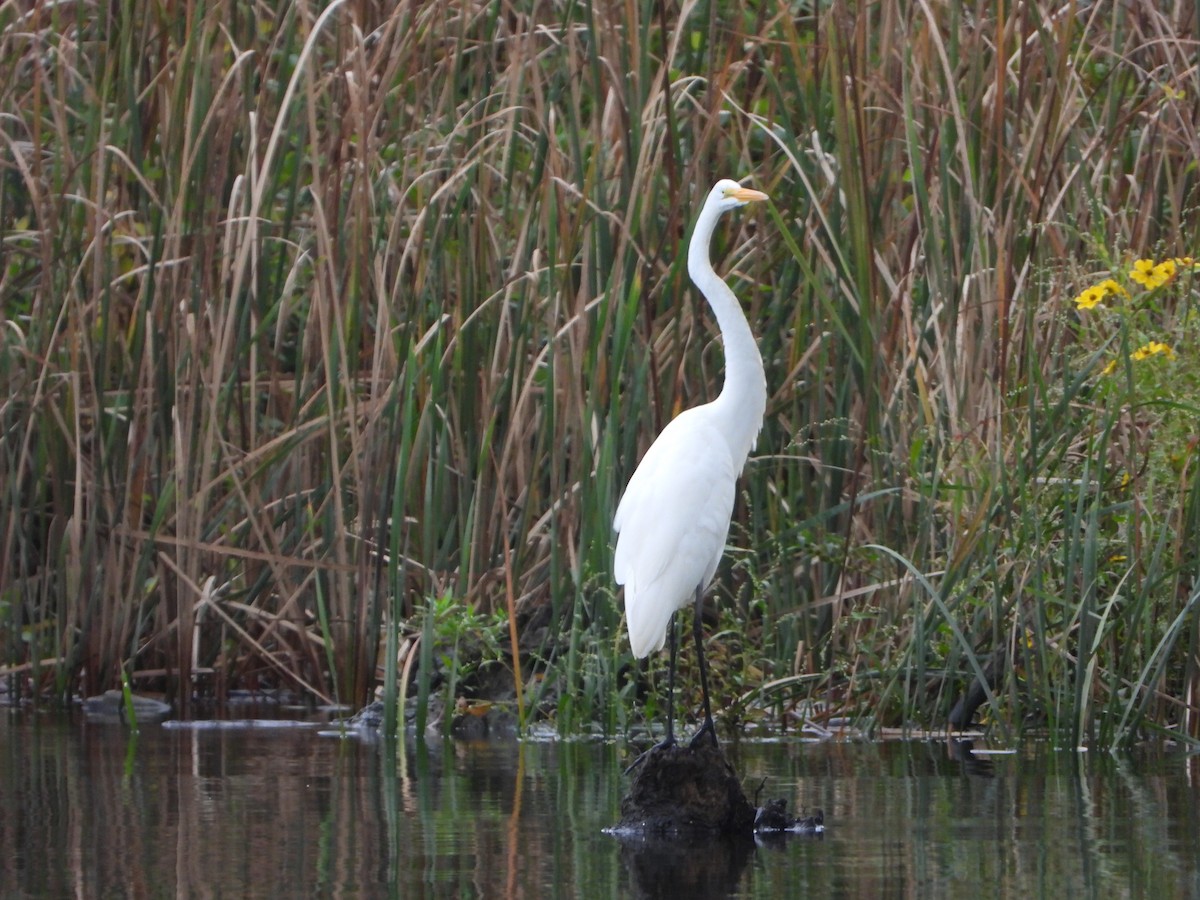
{"x":306,"y":311}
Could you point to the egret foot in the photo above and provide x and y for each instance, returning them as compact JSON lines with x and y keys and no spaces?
{"x":706,"y":734}
{"x":665,"y":744}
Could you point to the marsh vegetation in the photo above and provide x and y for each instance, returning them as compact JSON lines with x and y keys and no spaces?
{"x":319,"y":318}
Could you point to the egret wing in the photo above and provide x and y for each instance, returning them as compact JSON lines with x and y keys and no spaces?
{"x":672,"y":524}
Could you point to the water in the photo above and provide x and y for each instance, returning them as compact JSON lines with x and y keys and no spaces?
{"x":91,"y":811}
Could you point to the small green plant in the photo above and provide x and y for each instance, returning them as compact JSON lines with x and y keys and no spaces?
{"x":465,"y":640}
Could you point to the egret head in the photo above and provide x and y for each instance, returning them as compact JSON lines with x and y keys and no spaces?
{"x":728,"y":194}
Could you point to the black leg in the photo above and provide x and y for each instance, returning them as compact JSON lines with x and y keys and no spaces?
{"x":674,"y":641}
{"x":708,"y":728}
{"x":669,"y":740}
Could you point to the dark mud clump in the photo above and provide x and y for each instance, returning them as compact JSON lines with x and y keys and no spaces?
{"x":690,"y":790}
{"x":683,"y":788}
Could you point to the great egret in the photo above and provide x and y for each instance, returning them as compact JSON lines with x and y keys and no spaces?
{"x":673,"y":520}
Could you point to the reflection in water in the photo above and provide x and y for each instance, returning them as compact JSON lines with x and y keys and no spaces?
{"x":700,"y":869}
{"x":91,"y":811}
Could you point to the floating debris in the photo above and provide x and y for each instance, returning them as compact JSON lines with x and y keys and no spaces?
{"x":110,"y":707}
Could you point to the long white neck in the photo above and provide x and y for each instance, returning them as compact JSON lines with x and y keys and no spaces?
{"x":743,"y":399}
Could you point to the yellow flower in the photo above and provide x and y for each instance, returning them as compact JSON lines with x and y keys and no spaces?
{"x":1143,"y":273}
{"x":1150,"y":274}
{"x":1089,"y":298}
{"x":1165,"y":271}
{"x":1152,"y":349}
{"x":1110,"y":368}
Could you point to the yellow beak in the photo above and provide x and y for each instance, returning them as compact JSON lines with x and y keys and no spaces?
{"x":747,"y":195}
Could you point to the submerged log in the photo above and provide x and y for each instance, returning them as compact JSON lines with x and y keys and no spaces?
{"x":110,"y":707}
{"x":690,"y":790}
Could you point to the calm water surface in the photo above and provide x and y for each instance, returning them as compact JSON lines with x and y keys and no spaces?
{"x":93,"y":811}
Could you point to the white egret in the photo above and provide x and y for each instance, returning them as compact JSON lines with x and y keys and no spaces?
{"x":673,"y":520}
